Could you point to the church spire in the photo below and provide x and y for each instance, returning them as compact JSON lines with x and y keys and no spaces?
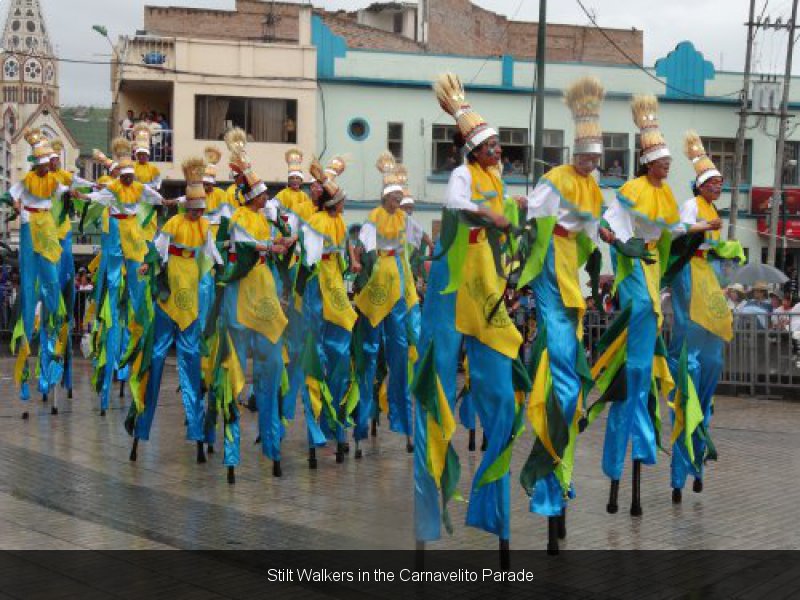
{"x":25,"y":30}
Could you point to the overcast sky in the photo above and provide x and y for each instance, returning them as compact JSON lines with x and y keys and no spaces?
{"x":714,"y":26}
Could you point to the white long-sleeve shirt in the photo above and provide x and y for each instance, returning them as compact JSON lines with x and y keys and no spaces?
{"x":107,"y":198}
{"x":21,"y":194}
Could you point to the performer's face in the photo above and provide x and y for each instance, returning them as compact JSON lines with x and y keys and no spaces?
{"x":295,"y":182}
{"x":316,"y":190}
{"x":585,"y":164}
{"x":259,"y":201}
{"x":659,"y":169}
{"x":711,"y":189}
{"x":208,"y":187}
{"x":43,"y":169}
{"x":193,"y":214}
{"x":408,"y":208}
{"x":142,"y":158}
{"x":489,"y":153}
{"x":391,"y":201}
{"x":126,"y":179}
{"x":54,"y":164}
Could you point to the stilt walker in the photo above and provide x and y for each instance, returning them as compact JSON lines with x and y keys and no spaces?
{"x":251,"y":320}
{"x":382,"y":306}
{"x":62,"y":213}
{"x":703,"y":322}
{"x":126,"y":287}
{"x":147,"y":174}
{"x":566,"y":205}
{"x":39,"y":256}
{"x":643,"y":217}
{"x":472,"y":224}
{"x":187,"y":253}
{"x":331,"y":391}
{"x":295,"y":210}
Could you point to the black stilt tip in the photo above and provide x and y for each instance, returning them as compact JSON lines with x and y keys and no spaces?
{"x":339,"y":453}
{"x":25,"y":415}
{"x":102,"y":412}
{"x":201,"y":455}
{"x":312,"y":458}
{"x":121,"y":389}
{"x":484,"y":443}
{"x":276,"y":468}
{"x":697,"y":486}
{"x":636,"y":498}
{"x":552,"y":535}
{"x":677,"y":495}
{"x":53,"y":410}
{"x":132,"y":456}
{"x":409,"y":446}
{"x":210,"y":449}
{"x":44,"y":398}
{"x":612,"y":507}
{"x":346,"y":447}
{"x":471,"y":446}
{"x":359,"y":453}
{"x":505,"y":555}
{"x":374,"y":428}
{"x":231,"y":475}
{"x":258,"y":440}
{"x":251,"y":403}
{"x":562,"y":525}
{"x":69,"y":394}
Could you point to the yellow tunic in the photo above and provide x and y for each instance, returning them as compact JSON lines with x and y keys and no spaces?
{"x":336,"y":307}
{"x":183,"y":272}
{"x":44,"y":234}
{"x":147,"y":173}
{"x":131,"y":234}
{"x":655,"y":204}
{"x":214,"y":201}
{"x":258,"y":307}
{"x":383,"y":290}
{"x":235,"y":198}
{"x":482,"y":288}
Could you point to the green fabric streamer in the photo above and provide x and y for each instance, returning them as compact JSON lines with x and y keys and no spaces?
{"x":534,"y":262}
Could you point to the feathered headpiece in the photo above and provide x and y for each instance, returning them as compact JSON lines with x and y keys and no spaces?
{"x":57,"y":145}
{"x":236,"y":140}
{"x":193,"y":171}
{"x":294,"y":161}
{"x":120,"y":148}
{"x":99,"y":157}
{"x":40,"y":147}
{"x":645,"y":116}
{"x":402,"y":180}
{"x":584,"y":99}
{"x":387,"y":166}
{"x":327,"y":179}
{"x":450,"y":94}
{"x":704,"y":167}
{"x":213,"y":156}
{"x":141,"y":138}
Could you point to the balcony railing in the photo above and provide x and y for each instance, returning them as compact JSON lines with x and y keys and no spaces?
{"x":148,"y":51}
{"x":161,"y":141}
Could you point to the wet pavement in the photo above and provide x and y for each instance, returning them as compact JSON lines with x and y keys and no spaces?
{"x":66,"y":483}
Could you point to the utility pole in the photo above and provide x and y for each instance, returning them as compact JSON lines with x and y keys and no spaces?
{"x":538,"y":140}
{"x":777,"y":188}
{"x":743,"y":111}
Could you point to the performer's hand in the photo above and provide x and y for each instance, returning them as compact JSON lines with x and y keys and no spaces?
{"x":607,"y":235}
{"x":355,"y":266}
{"x":144,"y":269}
{"x":500,"y":221}
{"x":714,"y":224}
{"x":170,"y":202}
{"x":522,"y":201}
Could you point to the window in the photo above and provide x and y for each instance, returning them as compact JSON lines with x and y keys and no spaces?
{"x":10,"y":94}
{"x":516,"y":151}
{"x":398,"y":23}
{"x":358,"y":129}
{"x":31,"y":96}
{"x":554,"y":152}
{"x":615,"y":164}
{"x":444,"y":154}
{"x":11,"y":68}
{"x":266,"y":120}
{"x":791,"y":155}
{"x":723,"y":152}
{"x":394,"y":140}
{"x":33,"y":70}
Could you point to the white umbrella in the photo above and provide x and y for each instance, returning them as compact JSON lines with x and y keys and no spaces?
{"x":753,"y":273}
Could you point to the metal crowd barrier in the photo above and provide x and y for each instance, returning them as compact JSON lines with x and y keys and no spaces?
{"x":762,"y":359}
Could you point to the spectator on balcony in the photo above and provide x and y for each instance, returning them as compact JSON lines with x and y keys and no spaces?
{"x":126,"y":125}
{"x":166,"y":137}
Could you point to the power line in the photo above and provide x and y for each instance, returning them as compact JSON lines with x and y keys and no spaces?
{"x":642,"y":68}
